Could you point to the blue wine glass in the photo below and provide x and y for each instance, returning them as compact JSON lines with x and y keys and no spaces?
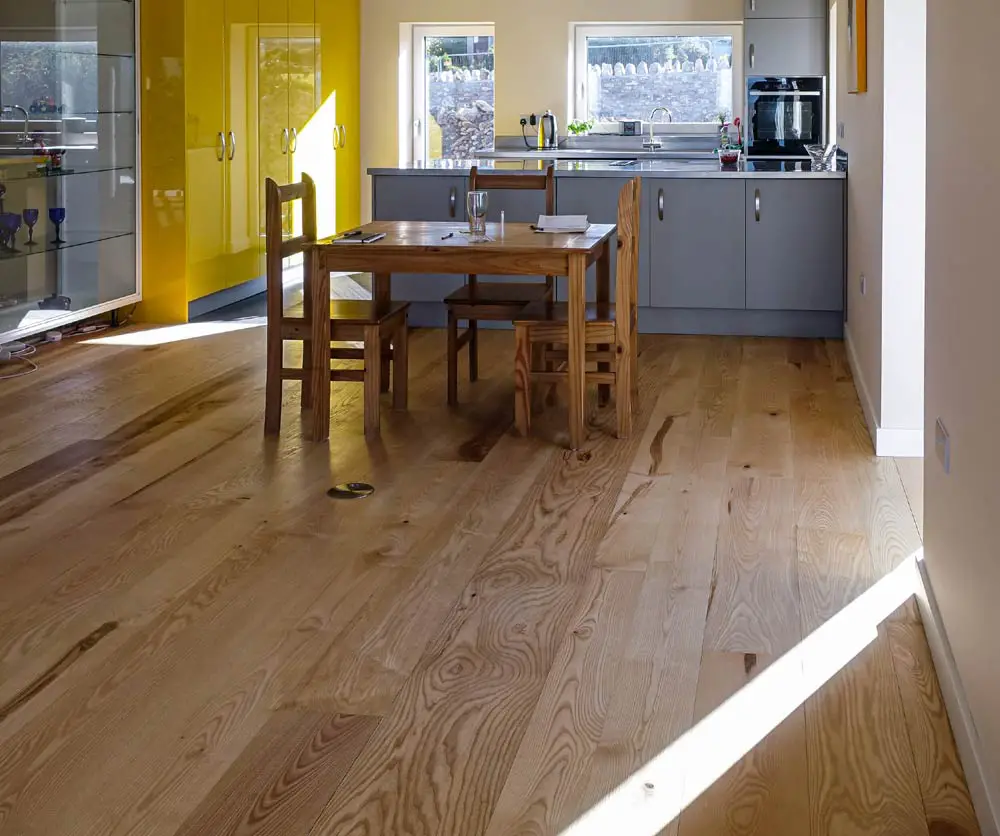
{"x":9,"y":228}
{"x":57,"y":215}
{"x":30,"y":219}
{"x":15,"y":226}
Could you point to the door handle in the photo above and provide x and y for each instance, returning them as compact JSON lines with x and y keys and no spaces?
{"x":336,"y":137}
{"x":343,"y":136}
{"x":294,"y":144}
{"x":220,"y":148}
{"x":756,"y":204}
{"x":659,"y":204}
{"x":753,"y":5}
{"x":284,"y":140}
{"x":232,"y":145}
{"x":753,"y":55}
{"x":452,"y":201}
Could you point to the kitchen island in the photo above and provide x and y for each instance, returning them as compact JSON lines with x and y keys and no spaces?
{"x":755,"y":250}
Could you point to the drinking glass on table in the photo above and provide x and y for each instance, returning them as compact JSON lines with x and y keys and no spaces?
{"x":477,"y":204}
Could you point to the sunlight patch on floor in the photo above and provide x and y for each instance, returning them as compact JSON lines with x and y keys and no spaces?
{"x":659,"y":792}
{"x":178,"y":333}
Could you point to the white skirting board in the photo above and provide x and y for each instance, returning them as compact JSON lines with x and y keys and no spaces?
{"x":984,"y":790}
{"x":893,"y":443}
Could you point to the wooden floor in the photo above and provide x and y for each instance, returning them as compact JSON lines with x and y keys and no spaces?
{"x":195,"y":639}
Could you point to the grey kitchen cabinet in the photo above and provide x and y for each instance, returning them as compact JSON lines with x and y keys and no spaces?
{"x":420,"y":197}
{"x":785,"y":8}
{"x":795,"y":245}
{"x":786,"y":47}
{"x":518,"y":207}
{"x":597,"y":198}
{"x":697,"y":243}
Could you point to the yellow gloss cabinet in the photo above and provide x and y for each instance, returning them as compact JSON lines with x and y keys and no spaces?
{"x":263,"y":88}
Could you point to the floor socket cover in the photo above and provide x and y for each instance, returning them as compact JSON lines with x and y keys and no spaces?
{"x":351,"y":490}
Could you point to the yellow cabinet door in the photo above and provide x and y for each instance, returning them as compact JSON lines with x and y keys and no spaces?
{"x":273,"y":130}
{"x":205,"y":189}
{"x":308,"y":154}
{"x":243,"y":247}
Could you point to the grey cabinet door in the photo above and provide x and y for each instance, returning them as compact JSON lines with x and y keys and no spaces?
{"x":795,"y":245}
{"x":785,"y":8}
{"x":518,"y":207}
{"x":420,"y":197}
{"x":786,"y":47}
{"x":597,"y":197}
{"x":697,"y":247}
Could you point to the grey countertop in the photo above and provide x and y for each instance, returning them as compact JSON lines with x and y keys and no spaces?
{"x":660,"y":168}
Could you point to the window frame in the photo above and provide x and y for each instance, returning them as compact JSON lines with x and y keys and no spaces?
{"x":418,"y":74}
{"x":581,"y":31}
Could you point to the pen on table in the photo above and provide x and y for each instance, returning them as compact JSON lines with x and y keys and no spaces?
{"x":449,"y":235}
{"x":501,"y":223}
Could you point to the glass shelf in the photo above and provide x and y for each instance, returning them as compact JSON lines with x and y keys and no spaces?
{"x":44,"y":244}
{"x":69,"y":172}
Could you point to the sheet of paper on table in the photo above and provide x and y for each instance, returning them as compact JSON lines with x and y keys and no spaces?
{"x":562,"y":223}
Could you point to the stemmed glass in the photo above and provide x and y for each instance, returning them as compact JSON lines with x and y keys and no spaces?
{"x":3,"y":191}
{"x":477,"y":203}
{"x":30,"y":219}
{"x":11,"y":222}
{"x":57,"y":215}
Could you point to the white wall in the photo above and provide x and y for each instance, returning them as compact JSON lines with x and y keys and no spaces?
{"x":886,"y":203}
{"x":962,"y":543}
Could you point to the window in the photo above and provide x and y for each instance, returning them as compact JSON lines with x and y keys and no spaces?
{"x":625,"y":72}
{"x":453,"y":97}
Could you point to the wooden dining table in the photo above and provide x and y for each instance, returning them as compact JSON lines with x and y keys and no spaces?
{"x":445,"y":248}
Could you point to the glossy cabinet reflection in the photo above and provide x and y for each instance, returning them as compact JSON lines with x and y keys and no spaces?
{"x":270,"y":89}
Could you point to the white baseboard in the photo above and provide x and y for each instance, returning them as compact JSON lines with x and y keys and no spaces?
{"x":985,"y":793}
{"x":888,"y":441}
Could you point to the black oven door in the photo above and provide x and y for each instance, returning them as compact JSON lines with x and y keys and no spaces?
{"x":784,"y":116}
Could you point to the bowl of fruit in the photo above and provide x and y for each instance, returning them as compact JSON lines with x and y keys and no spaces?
{"x":730,"y":156}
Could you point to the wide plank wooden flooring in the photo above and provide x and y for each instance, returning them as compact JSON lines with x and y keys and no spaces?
{"x":195,"y":639}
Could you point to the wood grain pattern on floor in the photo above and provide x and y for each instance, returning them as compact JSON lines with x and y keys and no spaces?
{"x":195,"y":639}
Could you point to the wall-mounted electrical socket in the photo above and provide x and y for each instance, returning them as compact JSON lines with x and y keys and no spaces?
{"x":529,"y":119}
{"x":863,"y":283}
{"x":942,"y":444}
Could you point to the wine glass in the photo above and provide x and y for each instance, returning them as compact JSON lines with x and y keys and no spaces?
{"x":477,"y":203}
{"x":3,"y":191}
{"x":30,"y":219}
{"x":57,"y":215}
{"x":11,"y":223}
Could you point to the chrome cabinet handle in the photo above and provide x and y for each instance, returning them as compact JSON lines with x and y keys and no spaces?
{"x":756,"y":204}
{"x":220,"y":148}
{"x":753,"y":55}
{"x":659,"y":204}
{"x":294,"y":144}
{"x":452,"y":201}
{"x":284,"y":140}
{"x":343,"y":136}
{"x":232,"y":145}
{"x":753,"y":5}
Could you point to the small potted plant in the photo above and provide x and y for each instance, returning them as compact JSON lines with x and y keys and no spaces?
{"x":580,"y":128}
{"x":729,"y":151}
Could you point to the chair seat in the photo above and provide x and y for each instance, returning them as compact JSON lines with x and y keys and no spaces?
{"x":558,"y":312}
{"x":499,"y":293}
{"x":364,"y":312}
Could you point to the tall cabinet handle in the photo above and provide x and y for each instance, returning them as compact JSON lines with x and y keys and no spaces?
{"x":294,"y":144}
{"x":756,"y":204}
{"x":343,"y":136}
{"x":220,"y":147}
{"x":336,"y":137}
{"x":452,"y":201}
{"x":659,"y":204}
{"x":232,"y":145}
{"x":753,"y":55}
{"x":284,"y":140}
{"x":753,"y":5}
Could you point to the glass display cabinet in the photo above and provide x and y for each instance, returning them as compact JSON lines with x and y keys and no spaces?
{"x":68,"y":169}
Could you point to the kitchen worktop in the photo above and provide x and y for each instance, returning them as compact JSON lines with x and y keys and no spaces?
{"x":665,"y":168}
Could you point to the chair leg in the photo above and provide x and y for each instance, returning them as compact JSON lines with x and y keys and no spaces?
{"x":307,"y":387}
{"x":272,"y":386}
{"x":537,"y":362}
{"x":473,"y":350}
{"x":452,"y":358}
{"x":400,"y":367}
{"x":623,"y":391}
{"x":522,"y":379}
{"x":373,"y":379}
{"x":386,"y":359}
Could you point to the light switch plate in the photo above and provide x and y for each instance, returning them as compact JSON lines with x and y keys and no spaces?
{"x":942,"y":443}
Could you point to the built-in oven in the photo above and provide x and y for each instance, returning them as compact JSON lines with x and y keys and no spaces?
{"x":784,"y":115}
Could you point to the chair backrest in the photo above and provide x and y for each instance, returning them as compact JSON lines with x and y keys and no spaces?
{"x":627,"y":280}
{"x":278,"y":248}
{"x":518,"y":182}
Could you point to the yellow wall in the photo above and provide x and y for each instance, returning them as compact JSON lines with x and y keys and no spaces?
{"x":533,"y":53}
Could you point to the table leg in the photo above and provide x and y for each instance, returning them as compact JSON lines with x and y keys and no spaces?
{"x":577,"y":349}
{"x":319,"y":362}
{"x":604,"y":299}
{"x":382,"y":293}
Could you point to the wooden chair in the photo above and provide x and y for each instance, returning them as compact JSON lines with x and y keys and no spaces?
{"x":493,"y":301}
{"x":351,"y":320}
{"x":611,"y":330}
